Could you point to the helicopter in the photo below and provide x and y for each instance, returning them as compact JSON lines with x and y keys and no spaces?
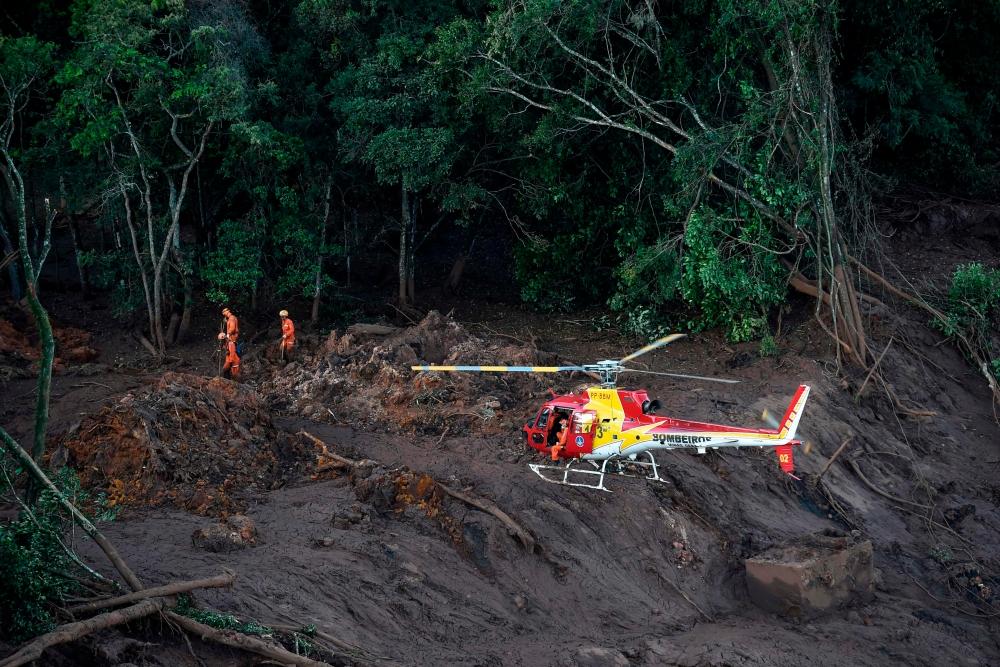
{"x":616,"y":431}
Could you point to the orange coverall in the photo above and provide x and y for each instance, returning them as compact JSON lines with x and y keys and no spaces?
{"x":232,"y":360}
{"x":561,"y":442}
{"x":287,"y":334}
{"x":232,"y":327}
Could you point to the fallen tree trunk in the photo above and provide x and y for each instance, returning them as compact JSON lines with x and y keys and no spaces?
{"x":244,"y":642}
{"x":371,"y":329}
{"x":71,"y":631}
{"x":337,"y":461}
{"x":218,"y":581}
{"x":486,"y":506}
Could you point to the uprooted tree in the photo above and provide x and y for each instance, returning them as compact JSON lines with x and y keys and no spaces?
{"x":739,"y":98}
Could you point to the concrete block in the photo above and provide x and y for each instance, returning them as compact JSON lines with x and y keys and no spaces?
{"x":808,"y":576}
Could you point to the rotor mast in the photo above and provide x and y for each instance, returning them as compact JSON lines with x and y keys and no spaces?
{"x":607,"y":370}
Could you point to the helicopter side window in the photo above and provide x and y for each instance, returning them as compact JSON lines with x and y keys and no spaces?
{"x":543,"y":417}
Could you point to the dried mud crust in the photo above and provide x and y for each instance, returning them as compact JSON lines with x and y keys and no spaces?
{"x":198,"y":443}
{"x":365,"y":378}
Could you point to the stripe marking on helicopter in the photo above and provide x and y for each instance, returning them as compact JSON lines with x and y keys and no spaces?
{"x":498,"y":369}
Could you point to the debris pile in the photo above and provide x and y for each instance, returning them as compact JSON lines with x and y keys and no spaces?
{"x":189,"y":440}
{"x":19,"y":348}
{"x":74,"y":345}
{"x":365,"y":373}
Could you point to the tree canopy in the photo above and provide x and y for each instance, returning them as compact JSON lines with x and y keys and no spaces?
{"x":679,"y":163}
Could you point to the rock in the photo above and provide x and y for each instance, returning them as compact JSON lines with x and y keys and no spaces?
{"x":808,"y":576}
{"x":596,"y":656}
{"x":236,"y":532}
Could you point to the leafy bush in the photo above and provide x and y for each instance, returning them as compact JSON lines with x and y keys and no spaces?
{"x":972,"y":310}
{"x":973,"y":301}
{"x":723,"y":276}
{"x":33,"y":563}
{"x":234,"y":267}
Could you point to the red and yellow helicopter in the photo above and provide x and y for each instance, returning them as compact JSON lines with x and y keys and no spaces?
{"x":611,"y":428}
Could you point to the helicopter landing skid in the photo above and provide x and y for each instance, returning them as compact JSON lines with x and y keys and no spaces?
{"x":613,"y":466}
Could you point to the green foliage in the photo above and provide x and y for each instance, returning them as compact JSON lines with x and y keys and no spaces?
{"x":297,"y":641}
{"x":972,"y":312}
{"x":219,"y":620}
{"x":379,"y":96}
{"x":922,"y":75}
{"x":233,"y":268}
{"x":116,"y":272}
{"x":34,"y":563}
{"x":768,"y":346}
{"x":973,"y":301}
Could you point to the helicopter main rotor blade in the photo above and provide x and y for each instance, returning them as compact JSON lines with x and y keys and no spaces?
{"x":681,"y":375}
{"x":652,"y":346}
{"x":500,"y":369}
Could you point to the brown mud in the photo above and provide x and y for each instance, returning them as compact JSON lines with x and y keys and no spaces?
{"x":650,"y":574}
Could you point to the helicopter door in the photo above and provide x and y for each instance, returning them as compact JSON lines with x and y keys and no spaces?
{"x":536,"y":432}
{"x":581,"y":440}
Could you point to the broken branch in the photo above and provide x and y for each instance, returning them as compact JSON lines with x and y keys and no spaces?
{"x":71,"y":631}
{"x":872,"y":371}
{"x":833,"y":458}
{"x":82,"y":521}
{"x":218,"y":581}
{"x":243,"y":642}
{"x":857,"y":471}
{"x":486,"y":506}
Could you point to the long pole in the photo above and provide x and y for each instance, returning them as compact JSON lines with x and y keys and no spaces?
{"x":222,"y":347}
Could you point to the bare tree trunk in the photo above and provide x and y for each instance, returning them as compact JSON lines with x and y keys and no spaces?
{"x":8,"y":251}
{"x":81,"y":272}
{"x":347,"y":240}
{"x":321,"y":253}
{"x":405,"y":251}
{"x":172,"y":325}
{"x":139,"y":261}
{"x":412,"y":247}
{"x":71,"y":223}
{"x":32,"y":269}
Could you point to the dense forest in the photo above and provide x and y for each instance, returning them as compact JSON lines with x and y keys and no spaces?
{"x":677,"y":162}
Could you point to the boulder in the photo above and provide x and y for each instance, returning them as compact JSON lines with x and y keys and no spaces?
{"x":234,"y":533}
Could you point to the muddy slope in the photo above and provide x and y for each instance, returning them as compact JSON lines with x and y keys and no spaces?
{"x":651,"y":573}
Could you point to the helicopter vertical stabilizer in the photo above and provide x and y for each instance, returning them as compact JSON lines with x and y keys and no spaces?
{"x":790,"y":422}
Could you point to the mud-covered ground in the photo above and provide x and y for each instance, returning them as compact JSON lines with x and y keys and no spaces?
{"x":650,"y":574}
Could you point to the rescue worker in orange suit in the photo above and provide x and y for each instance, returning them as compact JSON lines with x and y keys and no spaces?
{"x":287,"y":343}
{"x":561,"y":437}
{"x":232,"y":363}
{"x":230,"y":334}
{"x":231,"y":325}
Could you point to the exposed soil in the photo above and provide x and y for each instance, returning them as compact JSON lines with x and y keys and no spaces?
{"x":650,"y":574}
